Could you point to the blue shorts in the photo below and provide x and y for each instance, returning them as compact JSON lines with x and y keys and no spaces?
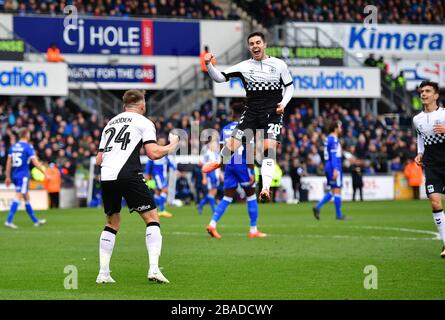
{"x":161,"y":181}
{"x":212,"y":180}
{"x":237,"y":174}
{"x":21,"y":184}
{"x":337,"y":183}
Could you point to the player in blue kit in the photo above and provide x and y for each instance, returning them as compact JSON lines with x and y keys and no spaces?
{"x":210,"y":179}
{"x":333,"y":171}
{"x":237,"y":171}
{"x":17,"y":171}
{"x":158,"y":170}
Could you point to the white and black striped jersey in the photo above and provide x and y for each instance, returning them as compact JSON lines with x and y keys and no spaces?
{"x":121,"y":141}
{"x":432,"y":145}
{"x":263,"y":81}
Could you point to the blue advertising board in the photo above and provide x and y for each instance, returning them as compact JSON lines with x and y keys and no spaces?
{"x":103,"y":73}
{"x":110,"y":36}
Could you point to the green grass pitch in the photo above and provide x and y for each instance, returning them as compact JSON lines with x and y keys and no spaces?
{"x":301,"y":259}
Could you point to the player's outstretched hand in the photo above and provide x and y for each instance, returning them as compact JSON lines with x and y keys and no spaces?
{"x":8,"y":182}
{"x":280,"y":108}
{"x":418,"y":160}
{"x":208,"y":57}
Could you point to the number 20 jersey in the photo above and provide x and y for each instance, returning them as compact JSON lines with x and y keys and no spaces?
{"x":121,"y":141}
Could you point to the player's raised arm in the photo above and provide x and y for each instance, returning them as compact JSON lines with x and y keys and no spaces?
{"x":214,"y":73}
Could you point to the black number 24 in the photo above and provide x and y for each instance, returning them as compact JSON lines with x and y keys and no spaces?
{"x":122,"y":137}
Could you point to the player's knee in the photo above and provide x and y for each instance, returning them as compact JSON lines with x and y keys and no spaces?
{"x":269,"y":153}
{"x":436,"y":204}
{"x":250,"y":192}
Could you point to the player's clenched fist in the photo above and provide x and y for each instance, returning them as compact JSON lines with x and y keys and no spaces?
{"x":173,"y":138}
{"x":208,"y":57}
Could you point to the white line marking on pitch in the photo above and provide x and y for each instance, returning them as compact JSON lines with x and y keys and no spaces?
{"x":435,"y":234}
{"x":318,"y":236}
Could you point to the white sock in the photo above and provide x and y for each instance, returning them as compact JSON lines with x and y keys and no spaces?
{"x":106,"y":245}
{"x":253,"y":229}
{"x":267,"y":171}
{"x":212,"y":223}
{"x":439,"y":220}
{"x":153,"y":240}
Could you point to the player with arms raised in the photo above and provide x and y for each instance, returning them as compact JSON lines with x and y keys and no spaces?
{"x":264,"y":78}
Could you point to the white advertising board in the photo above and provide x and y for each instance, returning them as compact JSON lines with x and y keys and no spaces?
{"x":374,"y":187}
{"x":318,"y":82}
{"x":39,"y":199}
{"x":416,"y":71}
{"x":380,"y":39}
{"x":33,"y":79}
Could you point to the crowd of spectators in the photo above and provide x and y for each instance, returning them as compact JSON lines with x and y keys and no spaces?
{"x":195,"y":9}
{"x":380,"y":144}
{"x":268,"y":12}
{"x":63,"y":135}
{"x":272,"y":12}
{"x":60,"y":133}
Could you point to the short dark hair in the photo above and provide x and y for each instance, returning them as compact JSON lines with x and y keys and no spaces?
{"x":133,"y":97}
{"x":433,"y":84}
{"x":333,"y":125}
{"x":256,"y":34}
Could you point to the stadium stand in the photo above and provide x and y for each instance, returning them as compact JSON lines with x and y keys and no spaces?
{"x":194,"y":9}
{"x":61,"y":134}
{"x":272,"y":12}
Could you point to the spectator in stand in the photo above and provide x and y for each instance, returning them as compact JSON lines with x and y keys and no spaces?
{"x":370,"y":61}
{"x":396,"y":165}
{"x":53,"y":54}
{"x":271,"y":12}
